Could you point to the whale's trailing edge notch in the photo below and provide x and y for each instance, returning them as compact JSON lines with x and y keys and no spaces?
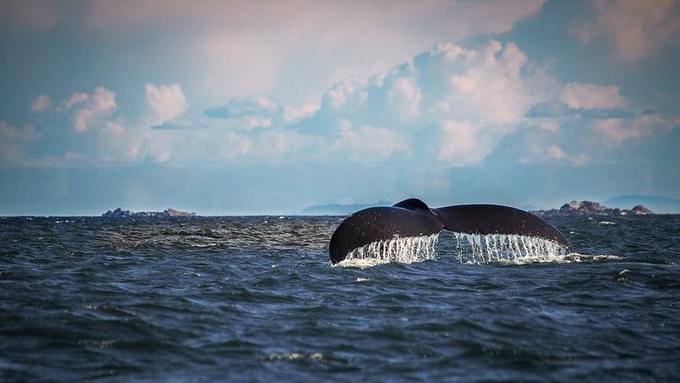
{"x":413,"y":218}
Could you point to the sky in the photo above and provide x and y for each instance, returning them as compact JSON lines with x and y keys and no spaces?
{"x":269,"y":107}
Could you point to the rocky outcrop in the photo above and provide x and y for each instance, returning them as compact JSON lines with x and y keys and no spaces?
{"x":167,"y":213}
{"x":640,"y":210}
{"x":593,"y":208}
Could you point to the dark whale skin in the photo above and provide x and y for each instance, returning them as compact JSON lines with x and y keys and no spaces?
{"x":412,"y":217}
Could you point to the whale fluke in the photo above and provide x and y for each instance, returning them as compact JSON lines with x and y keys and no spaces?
{"x":413,"y":218}
{"x":497,"y":219}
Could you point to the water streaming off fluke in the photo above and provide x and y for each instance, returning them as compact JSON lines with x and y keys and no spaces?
{"x":399,"y":250}
{"x":504,"y":248}
{"x":468,"y":248}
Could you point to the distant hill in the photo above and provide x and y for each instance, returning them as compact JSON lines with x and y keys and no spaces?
{"x":658,"y":204}
{"x":340,"y":209}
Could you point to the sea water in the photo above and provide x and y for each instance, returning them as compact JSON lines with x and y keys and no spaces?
{"x":257,"y":299}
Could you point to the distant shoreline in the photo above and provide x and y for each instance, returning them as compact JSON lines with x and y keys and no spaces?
{"x":573,"y":208}
{"x":590,"y":208}
{"x":167,"y":213}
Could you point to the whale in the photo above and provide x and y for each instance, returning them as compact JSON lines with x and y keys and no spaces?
{"x":414,"y":218}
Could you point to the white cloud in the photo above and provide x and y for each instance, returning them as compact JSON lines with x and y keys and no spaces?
{"x":557,"y":153}
{"x":156,"y":145}
{"x":293,"y":114}
{"x":350,"y":92}
{"x":368,"y":143}
{"x":450,"y":106}
{"x":637,"y":28}
{"x":590,"y":96}
{"x":541,"y":151}
{"x":75,"y":99}
{"x":469,"y":97}
{"x":41,"y":104}
{"x":166,"y":101}
{"x":491,"y":86}
{"x":91,"y":109}
{"x":405,"y":96}
{"x":619,"y":129}
{"x":252,"y":106}
{"x":460,"y":143}
{"x":248,"y":113}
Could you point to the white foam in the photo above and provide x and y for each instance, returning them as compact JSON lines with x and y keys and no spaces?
{"x":567,"y":258}
{"x":506,"y":248}
{"x":294,"y":356}
{"x":512,"y":249}
{"x":397,"y":250}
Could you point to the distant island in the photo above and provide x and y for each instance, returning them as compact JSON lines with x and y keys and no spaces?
{"x":658,"y":204}
{"x":570,"y":208}
{"x":593,"y":208}
{"x":167,"y":213}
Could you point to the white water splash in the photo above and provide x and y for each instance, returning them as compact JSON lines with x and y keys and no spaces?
{"x":508,"y":249}
{"x":398,"y":250}
{"x":514,"y":249}
{"x":494,"y":248}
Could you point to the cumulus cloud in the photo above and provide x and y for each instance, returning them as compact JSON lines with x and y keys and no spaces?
{"x":590,"y":96}
{"x":90,"y":109}
{"x":583,"y":101}
{"x":554,"y":152}
{"x":551,"y":152}
{"x":166,"y":101}
{"x":636,"y":28}
{"x":293,"y":114}
{"x":368,"y":143}
{"x":460,"y":143}
{"x":558,"y":109}
{"x":246,"y":107}
{"x":248,"y":112}
{"x":491,"y":85}
{"x":41,"y":104}
{"x":75,"y":99}
{"x":463,"y":100}
{"x":404,"y":95}
{"x":451,"y":104}
{"x":622,"y":129}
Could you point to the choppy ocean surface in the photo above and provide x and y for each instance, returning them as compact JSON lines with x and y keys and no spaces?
{"x":256,"y":299}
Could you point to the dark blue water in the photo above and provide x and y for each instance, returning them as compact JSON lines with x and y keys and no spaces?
{"x":256,"y":299}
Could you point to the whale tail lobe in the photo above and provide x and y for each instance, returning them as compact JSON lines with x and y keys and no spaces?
{"x":413,"y":218}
